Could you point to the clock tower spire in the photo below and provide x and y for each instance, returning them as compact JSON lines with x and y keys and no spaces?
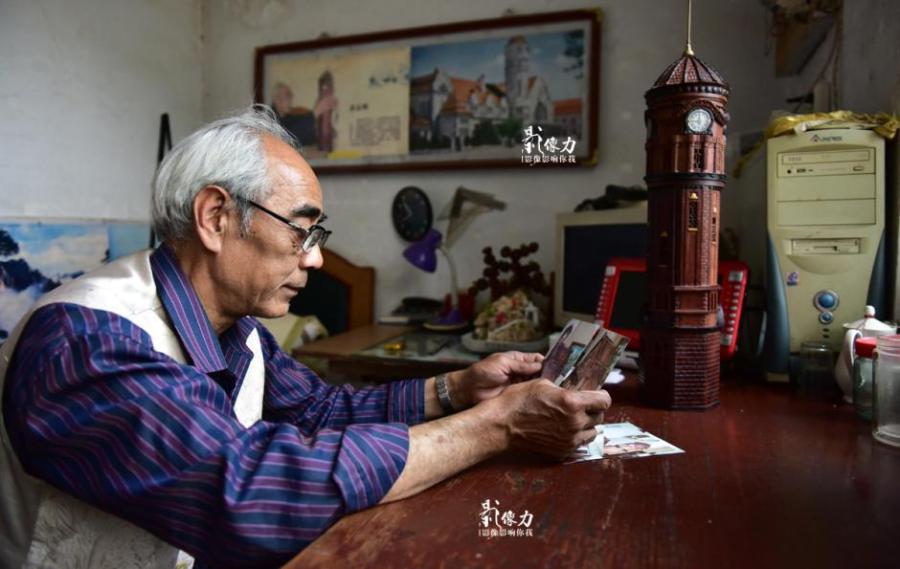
{"x":688,"y":50}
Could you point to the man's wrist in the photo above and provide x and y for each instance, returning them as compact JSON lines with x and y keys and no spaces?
{"x":494,"y":418}
{"x":442,"y":389}
{"x":460,"y":392}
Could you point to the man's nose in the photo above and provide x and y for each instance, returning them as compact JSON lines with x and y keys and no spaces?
{"x":313,"y":259}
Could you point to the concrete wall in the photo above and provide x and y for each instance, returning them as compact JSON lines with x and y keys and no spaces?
{"x":82,"y":86}
{"x":639,"y":39}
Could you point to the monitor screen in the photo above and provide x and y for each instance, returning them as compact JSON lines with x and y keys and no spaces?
{"x":586,"y":251}
{"x":626,"y":312}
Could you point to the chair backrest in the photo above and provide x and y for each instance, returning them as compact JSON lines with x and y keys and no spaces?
{"x":340,"y":294}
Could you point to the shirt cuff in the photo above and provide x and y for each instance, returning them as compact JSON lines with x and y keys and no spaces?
{"x":370,"y":460}
{"x":406,"y":401}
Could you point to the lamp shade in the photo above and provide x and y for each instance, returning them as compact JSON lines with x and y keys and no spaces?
{"x":423,"y":254}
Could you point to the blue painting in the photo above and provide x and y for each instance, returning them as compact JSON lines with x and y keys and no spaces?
{"x":36,"y":257}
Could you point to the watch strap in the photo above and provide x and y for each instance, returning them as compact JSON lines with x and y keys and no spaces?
{"x":443,"y":393}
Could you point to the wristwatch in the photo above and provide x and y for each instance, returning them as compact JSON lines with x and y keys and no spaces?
{"x":443,"y":393}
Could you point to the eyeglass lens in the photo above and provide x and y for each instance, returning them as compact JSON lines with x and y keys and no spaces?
{"x":317,"y":235}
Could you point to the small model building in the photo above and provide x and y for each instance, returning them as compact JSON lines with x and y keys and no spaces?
{"x":686,"y":120}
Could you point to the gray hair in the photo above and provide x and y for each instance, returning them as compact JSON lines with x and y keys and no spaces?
{"x":226,"y":153}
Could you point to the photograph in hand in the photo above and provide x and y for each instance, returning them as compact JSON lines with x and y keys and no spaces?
{"x":583,"y":356}
{"x":558,"y":354}
{"x":597,"y":360}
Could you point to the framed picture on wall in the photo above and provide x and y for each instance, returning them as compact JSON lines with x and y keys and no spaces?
{"x":38,"y":255}
{"x":506,"y":92}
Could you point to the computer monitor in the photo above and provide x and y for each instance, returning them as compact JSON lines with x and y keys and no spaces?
{"x":585,"y":242}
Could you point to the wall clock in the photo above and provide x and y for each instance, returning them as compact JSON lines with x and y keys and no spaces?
{"x":411,"y":213}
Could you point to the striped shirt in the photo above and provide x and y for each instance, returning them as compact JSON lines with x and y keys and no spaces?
{"x":92,"y":409}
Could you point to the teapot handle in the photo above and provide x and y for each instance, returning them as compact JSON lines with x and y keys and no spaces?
{"x":849,"y":351}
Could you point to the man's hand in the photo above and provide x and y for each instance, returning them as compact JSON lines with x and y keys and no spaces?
{"x":488,"y":378}
{"x":541,"y":417}
{"x":535,"y":416}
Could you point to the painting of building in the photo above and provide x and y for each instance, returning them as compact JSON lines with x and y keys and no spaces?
{"x":567,"y":113}
{"x":518,"y":84}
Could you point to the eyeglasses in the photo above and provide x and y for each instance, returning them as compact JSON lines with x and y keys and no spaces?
{"x":309,"y":238}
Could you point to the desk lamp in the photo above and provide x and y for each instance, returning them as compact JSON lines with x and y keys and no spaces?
{"x":422,"y":254}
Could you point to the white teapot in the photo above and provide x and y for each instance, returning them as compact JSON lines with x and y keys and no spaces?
{"x":867,"y":327}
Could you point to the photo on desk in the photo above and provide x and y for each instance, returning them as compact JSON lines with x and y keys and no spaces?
{"x":624,"y":440}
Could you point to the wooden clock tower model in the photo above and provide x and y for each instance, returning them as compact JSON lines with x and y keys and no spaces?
{"x":686,"y":120}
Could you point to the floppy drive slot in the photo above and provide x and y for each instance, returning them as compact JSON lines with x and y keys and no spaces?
{"x":848,"y":246}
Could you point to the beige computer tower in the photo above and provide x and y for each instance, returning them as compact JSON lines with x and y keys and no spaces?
{"x":826,"y":230}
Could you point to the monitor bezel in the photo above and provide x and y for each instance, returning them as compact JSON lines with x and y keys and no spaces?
{"x":635,"y":213}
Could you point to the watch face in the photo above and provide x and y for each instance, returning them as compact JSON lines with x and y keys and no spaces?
{"x":411,"y":213}
{"x":698,"y":121}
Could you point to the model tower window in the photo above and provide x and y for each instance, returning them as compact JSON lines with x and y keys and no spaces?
{"x":693,"y":212}
{"x":699,"y":159}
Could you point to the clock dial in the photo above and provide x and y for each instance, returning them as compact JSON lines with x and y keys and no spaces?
{"x":411,"y":213}
{"x":698,"y":121}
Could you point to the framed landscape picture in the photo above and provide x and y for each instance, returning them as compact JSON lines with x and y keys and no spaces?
{"x":37,"y":256}
{"x":490,"y":93}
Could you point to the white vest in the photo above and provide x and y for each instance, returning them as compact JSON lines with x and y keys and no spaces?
{"x":43,"y":527}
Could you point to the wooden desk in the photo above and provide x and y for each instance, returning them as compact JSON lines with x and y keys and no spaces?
{"x":341,"y":354}
{"x":768,"y":480}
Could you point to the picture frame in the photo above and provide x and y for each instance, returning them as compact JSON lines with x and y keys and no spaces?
{"x":507,"y":92}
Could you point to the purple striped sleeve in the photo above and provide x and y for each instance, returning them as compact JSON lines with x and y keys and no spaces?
{"x":296,"y":394}
{"x":93,"y":410}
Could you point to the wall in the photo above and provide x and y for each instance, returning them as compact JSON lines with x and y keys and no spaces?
{"x":870,"y":65}
{"x":82,"y":86}
{"x":868,"y":81}
{"x":639,"y":39}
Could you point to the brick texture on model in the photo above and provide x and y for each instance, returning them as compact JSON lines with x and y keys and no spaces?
{"x":686,"y":119}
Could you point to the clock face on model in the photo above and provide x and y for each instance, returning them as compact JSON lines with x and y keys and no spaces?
{"x":411,"y":213}
{"x":698,"y":121}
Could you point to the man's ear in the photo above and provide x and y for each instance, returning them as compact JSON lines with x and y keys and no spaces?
{"x":211,"y":217}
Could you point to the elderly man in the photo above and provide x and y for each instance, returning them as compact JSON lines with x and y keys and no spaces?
{"x":147,"y":416}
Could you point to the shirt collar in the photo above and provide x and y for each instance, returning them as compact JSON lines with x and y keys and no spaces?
{"x":234,"y":345}
{"x":186,"y":312}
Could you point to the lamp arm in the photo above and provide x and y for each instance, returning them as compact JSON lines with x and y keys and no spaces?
{"x":454,"y":291}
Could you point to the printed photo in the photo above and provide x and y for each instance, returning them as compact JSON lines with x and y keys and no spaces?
{"x":598,"y":359}
{"x":583,"y":356}
{"x":624,"y":440}
{"x":563,"y":355}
